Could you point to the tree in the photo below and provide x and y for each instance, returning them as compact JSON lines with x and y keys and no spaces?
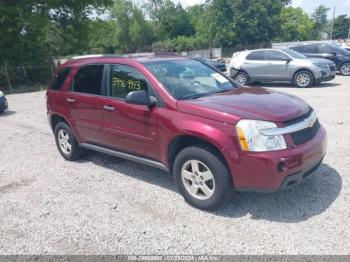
{"x":31,"y":27}
{"x":169,"y":20}
{"x":296,"y":25}
{"x":341,"y":27}
{"x":320,"y":18}
{"x":132,"y":31}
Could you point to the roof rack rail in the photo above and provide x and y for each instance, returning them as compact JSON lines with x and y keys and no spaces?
{"x":97,"y":56}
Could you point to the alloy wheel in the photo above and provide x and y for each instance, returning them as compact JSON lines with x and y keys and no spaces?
{"x":303,"y":80}
{"x":198,"y":179}
{"x":345,"y":69}
{"x":241,"y":79}
{"x":64,"y":141}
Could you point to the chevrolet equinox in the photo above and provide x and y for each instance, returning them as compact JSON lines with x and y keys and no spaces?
{"x":182,"y":116}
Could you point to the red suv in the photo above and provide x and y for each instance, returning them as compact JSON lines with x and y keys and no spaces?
{"x":185,"y":117}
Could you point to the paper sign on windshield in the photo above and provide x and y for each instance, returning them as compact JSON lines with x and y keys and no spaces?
{"x":219,"y":78}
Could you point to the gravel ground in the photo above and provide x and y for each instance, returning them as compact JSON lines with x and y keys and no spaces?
{"x":106,"y":205}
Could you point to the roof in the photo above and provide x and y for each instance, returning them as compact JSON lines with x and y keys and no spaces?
{"x":109,"y":58}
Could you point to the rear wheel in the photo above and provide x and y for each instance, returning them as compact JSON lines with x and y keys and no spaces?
{"x":345,"y":69}
{"x":202,"y":177}
{"x":66,"y":143}
{"x":303,"y":79}
{"x":242,"y":78}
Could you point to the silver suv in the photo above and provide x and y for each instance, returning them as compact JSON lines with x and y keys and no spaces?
{"x":273,"y":65}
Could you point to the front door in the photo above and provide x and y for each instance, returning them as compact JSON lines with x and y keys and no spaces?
{"x":277,"y":67}
{"x":129,"y":128}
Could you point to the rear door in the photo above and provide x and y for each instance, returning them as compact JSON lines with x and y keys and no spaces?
{"x":85,"y":103}
{"x":277,"y":67}
{"x":129,"y":128}
{"x":255,"y":64}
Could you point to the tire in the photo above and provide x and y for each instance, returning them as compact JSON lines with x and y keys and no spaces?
{"x":207,"y":193}
{"x":303,"y":79}
{"x":66,"y":142}
{"x":2,"y":111}
{"x":242,"y":78}
{"x":345,"y":69}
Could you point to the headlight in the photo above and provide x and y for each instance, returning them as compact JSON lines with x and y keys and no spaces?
{"x":251,"y":139}
{"x":1,"y":94}
{"x":321,"y":65}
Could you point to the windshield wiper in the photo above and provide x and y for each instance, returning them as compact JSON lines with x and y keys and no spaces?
{"x":196,"y":96}
{"x":193,"y":96}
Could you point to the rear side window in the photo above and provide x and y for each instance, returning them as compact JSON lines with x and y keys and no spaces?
{"x":88,"y":80}
{"x":124,"y":80}
{"x":60,"y":78}
{"x":258,"y":55}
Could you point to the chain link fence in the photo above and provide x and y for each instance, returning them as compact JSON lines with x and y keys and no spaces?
{"x":25,"y":78}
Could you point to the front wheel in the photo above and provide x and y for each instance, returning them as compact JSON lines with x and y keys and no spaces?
{"x":303,"y":79}
{"x":242,"y":78}
{"x":345,"y":69}
{"x":202,"y":177}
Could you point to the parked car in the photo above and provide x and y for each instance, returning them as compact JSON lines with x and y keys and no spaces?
{"x":333,"y":52}
{"x":273,"y":65}
{"x":3,"y":102}
{"x":180,"y":115}
{"x":218,"y":65}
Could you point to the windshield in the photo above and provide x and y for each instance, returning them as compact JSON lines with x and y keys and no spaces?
{"x":294,"y":54}
{"x":189,"y":79}
{"x":340,"y":49}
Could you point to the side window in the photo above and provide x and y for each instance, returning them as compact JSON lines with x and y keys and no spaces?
{"x":310,"y":49}
{"x":276,"y":56}
{"x":298,"y":48}
{"x":257,"y":55}
{"x":88,"y":80}
{"x":124,"y":80}
{"x":324,"y":49}
{"x":60,"y":78}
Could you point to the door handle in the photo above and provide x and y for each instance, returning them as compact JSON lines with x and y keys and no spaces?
{"x":109,"y":108}
{"x":70,"y":100}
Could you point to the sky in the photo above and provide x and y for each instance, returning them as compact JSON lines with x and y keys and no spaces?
{"x":342,"y":6}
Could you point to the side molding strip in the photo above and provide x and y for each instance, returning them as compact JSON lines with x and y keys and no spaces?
{"x":127,"y":156}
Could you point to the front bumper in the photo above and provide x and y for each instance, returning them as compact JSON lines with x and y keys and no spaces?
{"x":326,"y":77}
{"x":274,"y":171}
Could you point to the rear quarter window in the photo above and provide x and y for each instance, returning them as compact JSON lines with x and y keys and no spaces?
{"x":60,"y":78}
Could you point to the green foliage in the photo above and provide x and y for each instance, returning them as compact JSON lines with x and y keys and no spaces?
{"x":341,"y":27}
{"x":34,"y":31}
{"x":320,"y":18}
{"x":296,"y":25}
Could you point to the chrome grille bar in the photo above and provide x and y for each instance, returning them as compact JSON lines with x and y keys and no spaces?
{"x":306,"y":123}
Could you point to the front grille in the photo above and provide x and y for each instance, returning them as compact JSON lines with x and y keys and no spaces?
{"x":305,"y":135}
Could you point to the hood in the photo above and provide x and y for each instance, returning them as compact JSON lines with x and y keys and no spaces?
{"x":246,"y":103}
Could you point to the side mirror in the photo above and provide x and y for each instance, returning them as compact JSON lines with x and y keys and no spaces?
{"x":287,"y":59}
{"x":140,"y":97}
